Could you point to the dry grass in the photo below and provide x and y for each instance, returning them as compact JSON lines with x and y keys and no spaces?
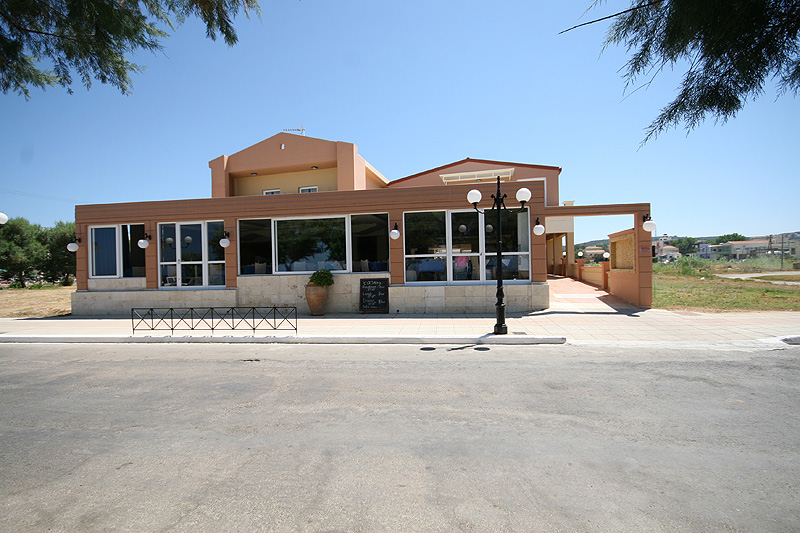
{"x":47,"y":301}
{"x":781,"y":277}
{"x":719,"y":294}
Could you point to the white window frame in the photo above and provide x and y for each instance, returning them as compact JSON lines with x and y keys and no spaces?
{"x":118,"y":249}
{"x":204,"y":261}
{"x":449,"y":255}
{"x":270,"y":192}
{"x":117,"y":246}
{"x":276,"y":268}
{"x":308,"y":189}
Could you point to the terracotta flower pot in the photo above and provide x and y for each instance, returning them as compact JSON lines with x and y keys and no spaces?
{"x":316,"y":297}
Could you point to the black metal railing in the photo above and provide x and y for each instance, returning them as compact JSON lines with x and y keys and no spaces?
{"x":214,"y":318}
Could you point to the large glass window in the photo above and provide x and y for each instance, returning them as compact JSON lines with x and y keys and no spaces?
{"x":310,"y":244}
{"x":369,"y":235}
{"x":461,"y":246}
{"x":115,"y":252}
{"x":425,"y":246}
{"x":255,"y":246}
{"x":190,"y":254}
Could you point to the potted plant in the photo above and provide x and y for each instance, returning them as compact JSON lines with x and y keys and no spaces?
{"x":317,"y":290}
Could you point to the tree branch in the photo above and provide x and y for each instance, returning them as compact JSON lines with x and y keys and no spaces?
{"x":654,"y":2}
{"x":23,"y":29}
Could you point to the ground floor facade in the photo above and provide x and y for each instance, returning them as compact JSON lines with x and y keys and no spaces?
{"x":437,"y":253}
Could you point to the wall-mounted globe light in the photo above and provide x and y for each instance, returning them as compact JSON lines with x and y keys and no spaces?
{"x":143,"y":243}
{"x":395,"y":233}
{"x":224,"y":242}
{"x":3,"y":218}
{"x":538,"y":229}
{"x":648,"y":225}
{"x":606,"y":255}
{"x":580,"y":254}
{"x":73,"y":247}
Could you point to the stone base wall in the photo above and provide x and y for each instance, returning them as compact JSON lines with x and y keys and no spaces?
{"x":120,"y":302}
{"x":289,"y":290}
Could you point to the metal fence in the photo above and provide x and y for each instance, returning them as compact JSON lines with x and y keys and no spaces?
{"x":214,"y":318}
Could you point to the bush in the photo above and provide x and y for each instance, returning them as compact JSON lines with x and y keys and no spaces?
{"x":321,"y":278}
{"x":35,"y":286}
{"x":67,"y":282}
{"x":16,"y":285}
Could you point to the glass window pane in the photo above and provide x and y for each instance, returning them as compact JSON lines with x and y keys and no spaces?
{"x":425,"y":233}
{"x":191,"y":242}
{"x":466,"y":268}
{"x":191,"y":275}
{"x":167,"y":243}
{"x":514,"y":267}
{"x":515,"y":236}
{"x":255,"y":246}
{"x":369,"y":235}
{"x":216,"y":274}
{"x":426,"y":269}
{"x":132,"y":255}
{"x":465,"y":232}
{"x":215,"y":232}
{"x":169,"y":276}
{"x":104,"y":251}
{"x":308,"y":245}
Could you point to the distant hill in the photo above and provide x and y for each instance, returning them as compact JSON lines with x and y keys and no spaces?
{"x":776,"y":237}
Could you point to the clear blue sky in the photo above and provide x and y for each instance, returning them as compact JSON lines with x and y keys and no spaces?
{"x":414,"y":85}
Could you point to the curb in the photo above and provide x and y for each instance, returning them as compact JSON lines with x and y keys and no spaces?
{"x":298,"y":339}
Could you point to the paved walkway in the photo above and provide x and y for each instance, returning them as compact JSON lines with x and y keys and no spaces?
{"x":578,"y":313}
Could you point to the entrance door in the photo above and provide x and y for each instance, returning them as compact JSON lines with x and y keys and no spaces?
{"x":181,"y":255}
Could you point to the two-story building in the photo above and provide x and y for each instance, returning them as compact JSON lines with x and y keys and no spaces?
{"x":290,"y":205}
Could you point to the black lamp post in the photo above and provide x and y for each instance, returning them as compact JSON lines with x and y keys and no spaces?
{"x":523,"y":195}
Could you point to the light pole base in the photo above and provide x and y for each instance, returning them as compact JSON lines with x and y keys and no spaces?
{"x":500,"y":329}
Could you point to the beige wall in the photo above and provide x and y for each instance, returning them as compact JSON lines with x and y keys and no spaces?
{"x":288,"y":183}
{"x":289,"y":290}
{"x":521,"y":173}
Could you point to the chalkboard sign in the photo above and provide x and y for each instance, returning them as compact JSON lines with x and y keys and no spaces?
{"x":374,"y":295}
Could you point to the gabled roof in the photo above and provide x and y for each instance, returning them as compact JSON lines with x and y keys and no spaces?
{"x":470,"y":160}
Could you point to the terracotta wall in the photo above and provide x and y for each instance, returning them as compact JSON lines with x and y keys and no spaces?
{"x":391,"y":201}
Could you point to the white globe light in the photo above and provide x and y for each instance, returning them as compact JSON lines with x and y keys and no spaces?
{"x":187,"y":239}
{"x":538,"y":229}
{"x":649,"y":225}
{"x":394,"y":234}
{"x":224,"y":242}
{"x":563,"y":254}
{"x":73,"y":247}
{"x":474,"y":196}
{"x":143,"y":243}
{"x":580,"y":254}
{"x":606,"y":255}
{"x":3,"y":218}
{"x":523,"y":195}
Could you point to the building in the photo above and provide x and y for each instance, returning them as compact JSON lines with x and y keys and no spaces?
{"x":291,"y":204}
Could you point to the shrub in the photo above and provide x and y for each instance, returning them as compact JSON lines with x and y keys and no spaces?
{"x":321,"y":278}
{"x":16,"y":285}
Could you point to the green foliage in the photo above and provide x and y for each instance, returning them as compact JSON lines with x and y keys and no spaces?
{"x":730,"y":48}
{"x":687,"y":266}
{"x":730,"y":237}
{"x":58,"y":263}
{"x":685,"y":245}
{"x":321,"y":278}
{"x":93,"y":37}
{"x":16,"y":285}
{"x":21,"y":248}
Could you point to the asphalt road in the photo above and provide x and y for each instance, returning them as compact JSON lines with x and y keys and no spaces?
{"x":399,"y":438}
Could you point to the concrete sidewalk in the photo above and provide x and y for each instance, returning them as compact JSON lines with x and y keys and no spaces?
{"x":558,"y":324}
{"x":578,"y":313}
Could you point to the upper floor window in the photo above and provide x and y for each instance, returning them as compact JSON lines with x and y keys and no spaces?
{"x":309,"y":189}
{"x":270,"y":192}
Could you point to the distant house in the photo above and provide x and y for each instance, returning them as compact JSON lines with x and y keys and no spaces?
{"x":593,"y":253}
{"x":668,"y":253}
